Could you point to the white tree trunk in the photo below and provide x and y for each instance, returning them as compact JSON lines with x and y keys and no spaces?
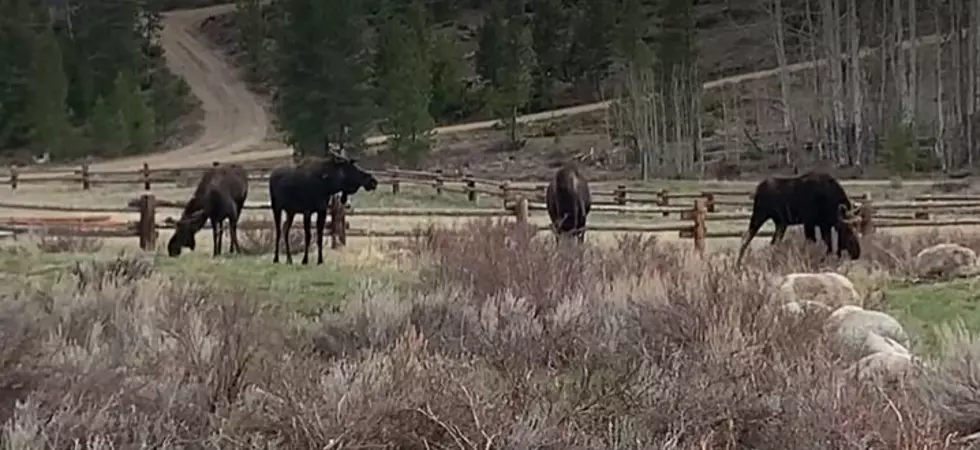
{"x":913,"y":63}
{"x":855,"y":72}
{"x":831,"y":32}
{"x":779,"y":42}
{"x":901,"y":66}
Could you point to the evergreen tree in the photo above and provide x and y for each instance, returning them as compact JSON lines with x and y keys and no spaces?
{"x":404,"y":83}
{"x":17,"y":35}
{"x":448,"y":98}
{"x":107,"y":129}
{"x":592,"y":43}
{"x":492,"y":40}
{"x":549,"y":35}
{"x":47,"y":92}
{"x":512,"y":88}
{"x":322,"y":74}
{"x":252,"y":28}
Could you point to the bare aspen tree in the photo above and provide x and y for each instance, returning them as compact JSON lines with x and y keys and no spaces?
{"x":901,"y":64}
{"x":697,"y":111}
{"x":956,"y":25}
{"x":779,"y":42}
{"x":940,"y":146}
{"x":855,"y":73}
{"x":970,"y":79}
{"x":634,"y":114}
{"x":913,"y":62}
{"x":886,"y":57}
{"x":831,"y":35}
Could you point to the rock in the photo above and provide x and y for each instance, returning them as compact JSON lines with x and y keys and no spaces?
{"x":858,"y":332}
{"x":829,"y":288}
{"x":804,"y":308}
{"x":884,"y":367}
{"x":946,"y":260}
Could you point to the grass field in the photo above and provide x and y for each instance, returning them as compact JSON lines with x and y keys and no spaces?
{"x":471,"y":337}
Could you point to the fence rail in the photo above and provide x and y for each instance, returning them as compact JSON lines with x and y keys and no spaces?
{"x":692,"y":220}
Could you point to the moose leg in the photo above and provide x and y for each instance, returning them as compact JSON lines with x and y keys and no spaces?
{"x":810,"y":232}
{"x":276,"y":220}
{"x":755,"y":222}
{"x":825,"y":235}
{"x":233,"y":232}
{"x":321,"y":221}
{"x":778,"y":234}
{"x":215,"y":237}
{"x":287,"y":224}
{"x":306,"y":237}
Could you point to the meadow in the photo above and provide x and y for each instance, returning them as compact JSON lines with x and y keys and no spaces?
{"x":472,"y":337}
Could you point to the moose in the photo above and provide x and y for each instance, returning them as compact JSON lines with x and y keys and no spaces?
{"x":569,"y":202}
{"x":813,"y":199}
{"x":306,"y":187}
{"x":220,"y":195}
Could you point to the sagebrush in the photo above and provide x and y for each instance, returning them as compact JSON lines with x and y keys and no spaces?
{"x":505,"y":342}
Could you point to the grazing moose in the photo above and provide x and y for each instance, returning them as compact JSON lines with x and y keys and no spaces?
{"x":813,"y":199}
{"x":220,"y":195}
{"x":569,"y":202}
{"x":306,"y":187}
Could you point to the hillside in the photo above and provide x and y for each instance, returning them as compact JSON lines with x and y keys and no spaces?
{"x":732,"y":38}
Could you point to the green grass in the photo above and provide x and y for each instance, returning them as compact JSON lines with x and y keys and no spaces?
{"x":307,"y":290}
{"x":922,"y":307}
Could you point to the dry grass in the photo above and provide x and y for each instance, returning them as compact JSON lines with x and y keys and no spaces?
{"x":504,"y":342}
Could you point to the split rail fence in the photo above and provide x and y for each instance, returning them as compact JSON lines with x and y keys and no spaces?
{"x":518,"y":200}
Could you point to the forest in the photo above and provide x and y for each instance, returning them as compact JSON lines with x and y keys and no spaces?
{"x":83,"y":79}
{"x":884,"y":94}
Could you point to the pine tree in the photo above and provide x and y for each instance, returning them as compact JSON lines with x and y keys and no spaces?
{"x":448,"y":91}
{"x":252,"y":28}
{"x":592,"y":43}
{"x":321,"y":79}
{"x":513,"y":81}
{"x":48,"y":90}
{"x":405,"y":83}
{"x":106,"y":128}
{"x":491,"y":37}
{"x":549,"y":34}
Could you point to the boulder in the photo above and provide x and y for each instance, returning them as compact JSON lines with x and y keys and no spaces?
{"x":884,"y":367}
{"x":857,"y":332}
{"x":805,"y":308}
{"x":945,"y":261}
{"x":829,"y":288}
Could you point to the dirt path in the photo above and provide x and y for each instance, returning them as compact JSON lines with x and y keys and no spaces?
{"x":234,"y":119}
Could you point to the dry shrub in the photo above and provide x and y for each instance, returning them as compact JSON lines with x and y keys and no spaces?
{"x":263,"y":242}
{"x":508,"y":341}
{"x":47,"y":243}
{"x":895,"y":253}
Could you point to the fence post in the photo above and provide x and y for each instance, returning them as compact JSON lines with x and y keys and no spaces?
{"x":709,"y":199}
{"x":505,"y":191}
{"x":215,"y":163}
{"x":470,"y":187}
{"x":867,"y":212}
{"x":394,"y":181}
{"x":338,"y":227}
{"x":146,"y":176}
{"x":13,"y":177}
{"x":663,"y":199}
{"x":521,"y":210}
{"x":438,"y":182}
{"x":86,"y":180}
{"x":620,"y":194}
{"x":147,"y":224}
{"x":700,"y":227}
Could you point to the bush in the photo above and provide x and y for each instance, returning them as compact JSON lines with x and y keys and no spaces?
{"x":506,"y":341}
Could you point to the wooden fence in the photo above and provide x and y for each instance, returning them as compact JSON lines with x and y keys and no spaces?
{"x":692,"y":224}
{"x":440,"y":182}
